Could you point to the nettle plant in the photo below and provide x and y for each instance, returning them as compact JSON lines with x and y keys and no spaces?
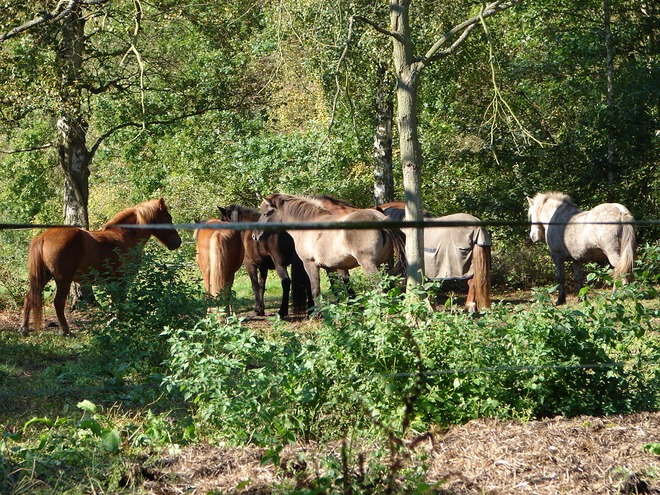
{"x":383,"y":359}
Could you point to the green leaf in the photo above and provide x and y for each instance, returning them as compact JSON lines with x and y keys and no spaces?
{"x":87,"y":406}
{"x":91,"y":424}
{"x":653,"y":448}
{"x":110,"y":440}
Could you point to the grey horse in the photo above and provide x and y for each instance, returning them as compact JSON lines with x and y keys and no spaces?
{"x":605,"y":233}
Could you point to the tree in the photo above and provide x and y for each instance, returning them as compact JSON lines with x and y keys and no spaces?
{"x":109,"y":66}
{"x":408,"y":69}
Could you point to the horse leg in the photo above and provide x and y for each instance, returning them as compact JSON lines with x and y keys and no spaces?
{"x":578,"y":274}
{"x":63,"y":288}
{"x":471,"y":301}
{"x":286,"y":289}
{"x":258,"y":287}
{"x":561,"y":278}
{"x":314,"y":278}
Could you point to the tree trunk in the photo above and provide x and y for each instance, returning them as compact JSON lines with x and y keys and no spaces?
{"x":72,"y":127}
{"x":407,"y":76}
{"x":383,"y":179}
{"x":72,"y":135}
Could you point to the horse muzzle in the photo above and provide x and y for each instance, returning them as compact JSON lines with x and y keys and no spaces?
{"x":174,"y":243}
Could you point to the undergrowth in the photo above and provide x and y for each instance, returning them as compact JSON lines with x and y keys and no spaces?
{"x":378,"y":367}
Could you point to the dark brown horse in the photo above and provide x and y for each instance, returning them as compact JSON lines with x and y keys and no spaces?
{"x":67,"y":254}
{"x":219,"y":256}
{"x":275,"y":251}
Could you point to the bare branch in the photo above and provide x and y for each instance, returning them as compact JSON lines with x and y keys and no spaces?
{"x":464,"y":28}
{"x":61,"y":10}
{"x":23,"y":150}
{"x":378,"y":28}
{"x":143,"y":125}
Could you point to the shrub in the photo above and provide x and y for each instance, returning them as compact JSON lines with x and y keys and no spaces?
{"x":383,"y":359}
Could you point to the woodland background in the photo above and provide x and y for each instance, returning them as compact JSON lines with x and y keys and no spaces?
{"x":214,"y":103}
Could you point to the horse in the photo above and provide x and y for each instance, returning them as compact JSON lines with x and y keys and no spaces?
{"x":605,"y":233}
{"x":334,"y":249}
{"x":219,"y":256}
{"x":276,"y":251}
{"x":68,"y":254}
{"x":455,"y":253}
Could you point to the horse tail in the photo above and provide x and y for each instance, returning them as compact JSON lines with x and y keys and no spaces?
{"x":300,"y":286}
{"x":39,"y":275}
{"x":399,"y":248}
{"x":218,"y":264}
{"x":482,"y":262}
{"x":624,"y":268}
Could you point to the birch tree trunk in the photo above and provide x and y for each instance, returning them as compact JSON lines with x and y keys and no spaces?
{"x":383,"y":177}
{"x":71,"y":126}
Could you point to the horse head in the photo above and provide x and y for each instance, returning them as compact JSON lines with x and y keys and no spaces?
{"x":536,"y":231}
{"x":269,"y":214}
{"x":168,"y":236}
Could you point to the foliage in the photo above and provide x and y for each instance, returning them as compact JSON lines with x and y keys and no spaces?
{"x":80,"y":450}
{"x":132,"y":313}
{"x":377,"y":352}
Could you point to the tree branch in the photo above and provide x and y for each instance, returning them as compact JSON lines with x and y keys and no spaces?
{"x":119,"y":127}
{"x":22,"y":150}
{"x":378,"y":28}
{"x":464,"y":28}
{"x":61,"y":10}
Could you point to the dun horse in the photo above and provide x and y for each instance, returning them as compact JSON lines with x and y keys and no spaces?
{"x":604,"y":233}
{"x":334,"y":249}
{"x":67,"y":254}
{"x":276,"y":251}
{"x":219,"y":255}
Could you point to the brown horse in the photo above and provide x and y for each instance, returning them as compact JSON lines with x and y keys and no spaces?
{"x":458,"y":253}
{"x":68,"y":254}
{"x":275,"y":251}
{"x":219,"y":255}
{"x":333,"y":250}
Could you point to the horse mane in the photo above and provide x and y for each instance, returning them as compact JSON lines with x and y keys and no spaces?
{"x":542,"y":198}
{"x":332,"y":199}
{"x":306,"y":207}
{"x":142,"y":213}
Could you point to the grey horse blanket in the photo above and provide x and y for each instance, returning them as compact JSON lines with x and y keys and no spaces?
{"x":448,"y":250}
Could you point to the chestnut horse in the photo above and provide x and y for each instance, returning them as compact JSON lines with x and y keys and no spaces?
{"x":68,"y":254}
{"x":275,"y":251}
{"x":219,"y":256}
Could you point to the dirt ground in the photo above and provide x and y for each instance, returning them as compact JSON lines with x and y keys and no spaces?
{"x":579,"y":456}
{"x":583,"y":455}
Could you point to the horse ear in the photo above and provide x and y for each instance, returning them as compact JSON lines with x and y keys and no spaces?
{"x":161,"y":204}
{"x":530,"y":201}
{"x":223,"y":212}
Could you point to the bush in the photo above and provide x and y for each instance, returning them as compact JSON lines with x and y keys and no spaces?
{"x":385,"y":360}
{"x":129,"y":319}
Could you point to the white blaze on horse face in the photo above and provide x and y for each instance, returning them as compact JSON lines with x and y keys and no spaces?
{"x":536,"y":233}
